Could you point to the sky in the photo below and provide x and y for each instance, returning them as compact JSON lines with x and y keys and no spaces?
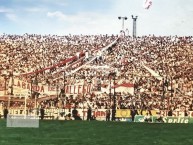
{"x":63,"y":17}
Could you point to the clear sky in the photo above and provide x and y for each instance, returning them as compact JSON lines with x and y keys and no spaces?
{"x":62,"y":17}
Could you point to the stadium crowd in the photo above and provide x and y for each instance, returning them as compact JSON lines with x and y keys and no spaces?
{"x":170,"y":57}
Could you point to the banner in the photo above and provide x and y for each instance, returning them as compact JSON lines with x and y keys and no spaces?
{"x":94,"y":57}
{"x":168,"y":119}
{"x":123,"y":88}
{"x":139,"y":118}
{"x":126,"y":113}
{"x":176,"y":119}
{"x":73,"y":58}
{"x":23,"y":88}
{"x":78,"y":89}
{"x":123,"y":113}
{"x":100,"y":114}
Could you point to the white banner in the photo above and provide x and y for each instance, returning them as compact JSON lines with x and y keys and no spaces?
{"x":78,"y":89}
{"x":23,"y":88}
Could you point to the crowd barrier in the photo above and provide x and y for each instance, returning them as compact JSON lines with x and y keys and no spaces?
{"x":100,"y":114}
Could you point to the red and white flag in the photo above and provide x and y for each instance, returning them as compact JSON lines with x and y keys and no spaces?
{"x":123,"y":88}
{"x":147,"y":4}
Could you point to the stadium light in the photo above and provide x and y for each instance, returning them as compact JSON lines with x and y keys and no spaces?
{"x":134,"y":25}
{"x":123,"y":19}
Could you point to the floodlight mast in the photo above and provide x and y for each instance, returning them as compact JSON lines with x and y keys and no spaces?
{"x":134,"y":25}
{"x":123,"y":19}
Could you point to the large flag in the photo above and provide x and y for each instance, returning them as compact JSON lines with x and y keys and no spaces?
{"x":147,"y":4}
{"x":123,"y":88}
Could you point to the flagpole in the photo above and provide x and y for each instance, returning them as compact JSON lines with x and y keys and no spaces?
{"x":35,"y":101}
{"x":8,"y":101}
{"x":25,"y":107}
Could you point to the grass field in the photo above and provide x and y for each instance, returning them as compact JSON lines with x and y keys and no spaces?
{"x":97,"y":133}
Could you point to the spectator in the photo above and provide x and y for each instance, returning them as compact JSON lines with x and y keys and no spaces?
{"x":89,"y":114}
{"x":147,"y":118}
{"x":170,"y":113}
{"x":159,"y":118}
{"x":133,"y":113}
{"x":42,"y":113}
{"x":108,"y":114}
{"x":5,"y":112}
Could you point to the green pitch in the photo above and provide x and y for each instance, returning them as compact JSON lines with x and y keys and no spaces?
{"x":97,"y":133}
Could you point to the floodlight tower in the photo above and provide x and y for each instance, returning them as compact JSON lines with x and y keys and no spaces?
{"x":134,"y":25}
{"x":123,"y":19}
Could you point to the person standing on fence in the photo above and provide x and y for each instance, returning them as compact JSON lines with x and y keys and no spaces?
{"x":5,"y":112}
{"x":170,"y":113}
{"x":74,"y":113}
{"x":42,"y":113}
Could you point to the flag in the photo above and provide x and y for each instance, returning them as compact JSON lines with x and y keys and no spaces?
{"x":124,"y":87}
{"x":147,"y":4}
